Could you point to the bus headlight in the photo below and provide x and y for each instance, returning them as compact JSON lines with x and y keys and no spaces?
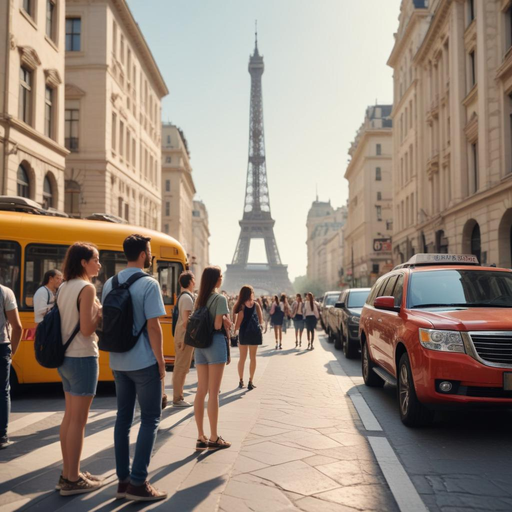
{"x":443,"y":341}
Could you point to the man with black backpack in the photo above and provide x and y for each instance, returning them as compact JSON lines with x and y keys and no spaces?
{"x":138,"y":371}
{"x":183,"y":353}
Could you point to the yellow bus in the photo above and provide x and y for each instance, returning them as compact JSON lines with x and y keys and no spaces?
{"x":32,"y":244}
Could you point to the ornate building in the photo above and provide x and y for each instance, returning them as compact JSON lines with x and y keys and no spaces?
{"x":178,"y":187}
{"x":367,"y":242}
{"x":32,"y":152}
{"x":112,"y":114}
{"x":200,"y":240}
{"x":463,"y":70}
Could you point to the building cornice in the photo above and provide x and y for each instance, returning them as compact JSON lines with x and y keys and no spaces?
{"x":437,"y":23}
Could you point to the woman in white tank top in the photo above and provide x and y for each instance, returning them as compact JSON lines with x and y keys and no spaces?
{"x":77,"y":302}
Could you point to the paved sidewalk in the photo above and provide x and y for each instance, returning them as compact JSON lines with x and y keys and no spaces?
{"x":298,"y":444}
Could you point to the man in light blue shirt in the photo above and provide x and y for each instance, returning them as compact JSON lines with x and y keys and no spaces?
{"x":138,"y":374}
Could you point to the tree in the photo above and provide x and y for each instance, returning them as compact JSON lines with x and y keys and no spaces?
{"x":302,"y":284}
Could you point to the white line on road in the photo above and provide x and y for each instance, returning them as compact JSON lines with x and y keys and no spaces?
{"x":27,"y":420}
{"x":404,"y":492}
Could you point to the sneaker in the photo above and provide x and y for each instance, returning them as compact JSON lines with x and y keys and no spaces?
{"x":60,"y":483}
{"x":81,"y":486}
{"x":165,"y":401}
{"x":182,"y":403}
{"x":144,"y":492}
{"x":4,"y":442}
{"x":92,"y":478}
{"x":121,"y":490}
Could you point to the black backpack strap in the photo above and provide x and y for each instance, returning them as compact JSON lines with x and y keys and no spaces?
{"x":48,"y":292}
{"x":115,"y":282}
{"x":72,"y":337}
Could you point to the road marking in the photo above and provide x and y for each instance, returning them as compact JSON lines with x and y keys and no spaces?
{"x":404,"y":492}
{"x":27,"y":420}
{"x":346,"y":384}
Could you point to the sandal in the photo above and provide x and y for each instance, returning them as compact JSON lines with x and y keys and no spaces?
{"x":251,"y":385}
{"x":241,"y":384}
{"x":219,"y":444}
{"x":201,"y":444}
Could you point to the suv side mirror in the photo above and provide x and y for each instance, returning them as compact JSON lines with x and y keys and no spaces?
{"x":339,"y":305}
{"x":386,"y":303}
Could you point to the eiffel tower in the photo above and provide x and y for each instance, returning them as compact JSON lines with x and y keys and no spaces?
{"x":257,"y":222}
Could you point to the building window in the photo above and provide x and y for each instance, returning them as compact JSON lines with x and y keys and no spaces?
{"x":121,"y":139}
{"x":126,"y":211}
{"x":28,"y":7}
{"x":73,"y":34}
{"x":471,"y":10}
{"x":120,"y":207}
{"x":71,"y":119}
{"x":25,"y":100}
{"x":472,"y":69}
{"x":122,"y":49}
{"x":508,"y":24}
{"x":167,"y":159}
{"x":379,"y":196}
{"x":379,"y":149}
{"x":166,"y":229}
{"x":167,"y":185}
{"x":168,"y":139}
{"x":167,"y":208}
{"x":378,"y":174}
{"x":50,"y":19}
{"x":72,"y":198}
{"x":474,"y":168}
{"x":47,"y":193}
{"x":48,"y":112}
{"x":389,"y":225}
{"x":379,"y":212}
{"x":114,"y":39}
{"x":22,"y":182}
{"x":375,"y":268}
{"x":114,"y":131}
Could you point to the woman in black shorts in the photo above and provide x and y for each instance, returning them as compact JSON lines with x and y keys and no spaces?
{"x":249,"y":320}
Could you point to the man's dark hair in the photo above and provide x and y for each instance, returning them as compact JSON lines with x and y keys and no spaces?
{"x":134,"y":245}
{"x":185,"y":278}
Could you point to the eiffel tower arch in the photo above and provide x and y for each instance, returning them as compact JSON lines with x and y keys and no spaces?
{"x":257,"y":222}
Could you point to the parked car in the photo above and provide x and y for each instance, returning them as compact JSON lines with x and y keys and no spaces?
{"x":440,"y":328}
{"x":327,"y":302}
{"x":344,"y":320}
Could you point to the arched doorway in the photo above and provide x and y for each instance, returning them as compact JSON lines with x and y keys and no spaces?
{"x":441,"y":242}
{"x":476,"y":242}
{"x":505,"y":240}
{"x":22,"y":182}
{"x":48,"y":197}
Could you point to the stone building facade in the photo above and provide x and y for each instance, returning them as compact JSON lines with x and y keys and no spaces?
{"x":463,"y":68}
{"x":112,"y":115}
{"x":367,"y":234}
{"x":178,"y":187}
{"x":324,"y":243}
{"x":200,"y":240}
{"x":32,"y":152}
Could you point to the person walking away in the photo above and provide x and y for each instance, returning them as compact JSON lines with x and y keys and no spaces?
{"x":44,"y":298}
{"x":266,"y":312}
{"x":78,"y":304}
{"x":277,"y":316}
{"x":184,"y":353}
{"x":298,"y":319}
{"x":210,"y":361}
{"x":285,"y":308}
{"x":249,"y":322}
{"x":10,"y":335}
{"x":138,"y":375}
{"x":311,"y":313}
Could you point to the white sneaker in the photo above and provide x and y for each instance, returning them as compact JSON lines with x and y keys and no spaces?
{"x":182,"y":403}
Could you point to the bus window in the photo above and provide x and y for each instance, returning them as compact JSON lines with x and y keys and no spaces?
{"x":10,"y":260}
{"x":39,"y":258}
{"x":168,"y":274}
{"x":112,"y":262}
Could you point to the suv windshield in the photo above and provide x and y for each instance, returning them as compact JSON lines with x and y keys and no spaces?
{"x":330,"y":300}
{"x":357,"y":299}
{"x":475,"y":288}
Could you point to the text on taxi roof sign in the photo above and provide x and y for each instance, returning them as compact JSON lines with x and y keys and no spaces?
{"x":439,"y":259}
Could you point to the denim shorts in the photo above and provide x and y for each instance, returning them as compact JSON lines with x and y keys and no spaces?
{"x":216,"y":353}
{"x":79,"y":375}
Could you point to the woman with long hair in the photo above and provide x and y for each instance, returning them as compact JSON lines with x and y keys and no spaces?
{"x":266,"y":312}
{"x":298,"y":319}
{"x":249,"y":320}
{"x":285,"y":308}
{"x":311,"y":313}
{"x":78,"y":307}
{"x":210,"y":361}
{"x":277,"y":316}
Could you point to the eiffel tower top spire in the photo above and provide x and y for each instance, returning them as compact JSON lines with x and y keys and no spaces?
{"x":256,"y":37}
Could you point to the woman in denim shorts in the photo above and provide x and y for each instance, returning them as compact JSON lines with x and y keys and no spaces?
{"x":210,"y":361}
{"x":77,"y":303}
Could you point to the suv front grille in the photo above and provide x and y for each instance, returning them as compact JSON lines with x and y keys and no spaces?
{"x":493,"y":347}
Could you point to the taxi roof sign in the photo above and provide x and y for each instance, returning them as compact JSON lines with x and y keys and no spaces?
{"x":441,"y":259}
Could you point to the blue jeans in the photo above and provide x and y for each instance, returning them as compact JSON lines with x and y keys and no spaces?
{"x":145,"y":385}
{"x":5,"y":388}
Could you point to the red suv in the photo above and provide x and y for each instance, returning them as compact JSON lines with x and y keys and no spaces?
{"x":439,"y":327}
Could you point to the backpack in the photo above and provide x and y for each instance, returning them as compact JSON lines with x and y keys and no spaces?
{"x":176,"y":312}
{"x":50,"y":350}
{"x":200,"y":327}
{"x":116,"y":334}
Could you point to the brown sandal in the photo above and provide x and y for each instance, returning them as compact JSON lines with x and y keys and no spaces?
{"x":219,"y":444}
{"x":201,"y":444}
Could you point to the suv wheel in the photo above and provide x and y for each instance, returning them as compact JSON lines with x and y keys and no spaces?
{"x":371,"y":379}
{"x":338,"y":341}
{"x":350,"y":348}
{"x":412,"y":412}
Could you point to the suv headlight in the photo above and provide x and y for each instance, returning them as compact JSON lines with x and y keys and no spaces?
{"x":354,"y":319}
{"x":444,"y":341}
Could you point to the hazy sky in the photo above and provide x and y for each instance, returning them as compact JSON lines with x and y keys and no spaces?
{"x":325,"y":62}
